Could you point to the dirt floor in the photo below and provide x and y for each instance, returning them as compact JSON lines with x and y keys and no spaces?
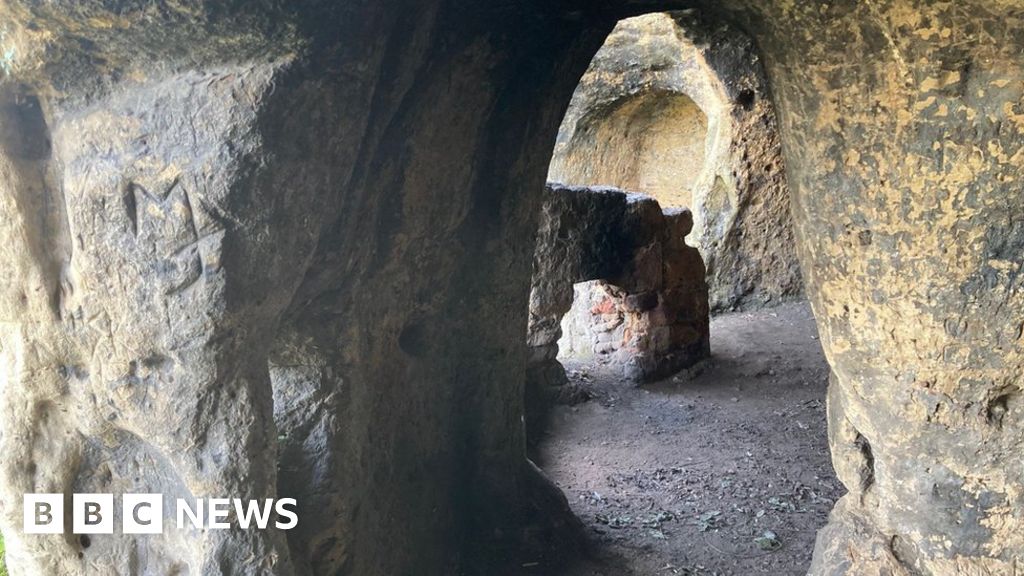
{"x":721,"y":471}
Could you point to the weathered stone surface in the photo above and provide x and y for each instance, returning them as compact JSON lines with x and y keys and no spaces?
{"x":682,"y":114}
{"x":581,"y":236}
{"x":137,"y":329}
{"x":377,"y":171}
{"x":613,"y":281}
{"x":208,"y":216}
{"x":632,"y":317}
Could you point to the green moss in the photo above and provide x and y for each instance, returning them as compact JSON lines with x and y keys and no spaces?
{"x":3,"y":565}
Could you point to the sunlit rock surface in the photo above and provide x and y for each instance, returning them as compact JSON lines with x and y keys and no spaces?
{"x":201,"y":200}
{"x":683,"y":114}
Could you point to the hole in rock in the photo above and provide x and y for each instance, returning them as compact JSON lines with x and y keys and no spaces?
{"x":867,"y":468}
{"x":746,"y":99}
{"x":23,"y":135}
{"x":413,"y":339}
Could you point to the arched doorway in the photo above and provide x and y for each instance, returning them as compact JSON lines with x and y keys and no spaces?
{"x":719,"y":465}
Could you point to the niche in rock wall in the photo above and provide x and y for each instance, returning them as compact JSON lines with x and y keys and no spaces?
{"x":608,"y":325}
{"x":653,"y":142}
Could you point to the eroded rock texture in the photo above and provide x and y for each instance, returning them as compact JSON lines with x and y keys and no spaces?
{"x":905,"y":165}
{"x":235,"y":266}
{"x":149,"y":258}
{"x":648,"y":315}
{"x":205,"y":201}
{"x":682,"y":113}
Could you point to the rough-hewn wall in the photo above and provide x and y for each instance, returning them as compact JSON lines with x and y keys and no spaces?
{"x":340,"y":198}
{"x":682,"y":113}
{"x":903,"y":135}
{"x":650,"y":316}
{"x":219,"y":208}
{"x":655,"y":319}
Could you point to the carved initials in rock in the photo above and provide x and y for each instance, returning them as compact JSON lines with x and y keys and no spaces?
{"x":165,"y":231}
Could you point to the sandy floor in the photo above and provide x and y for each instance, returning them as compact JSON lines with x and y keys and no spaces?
{"x":725,"y":472}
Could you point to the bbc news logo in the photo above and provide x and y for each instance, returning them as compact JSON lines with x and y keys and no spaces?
{"x":144,"y":514}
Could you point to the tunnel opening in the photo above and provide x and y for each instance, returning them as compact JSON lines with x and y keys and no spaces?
{"x":676,"y":385}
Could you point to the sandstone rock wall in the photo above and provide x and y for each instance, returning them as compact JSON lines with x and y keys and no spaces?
{"x":683,"y":114}
{"x":652,"y":315}
{"x":363,"y":182}
{"x":647,"y":315}
{"x":234,"y":266}
{"x":903,"y":139}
